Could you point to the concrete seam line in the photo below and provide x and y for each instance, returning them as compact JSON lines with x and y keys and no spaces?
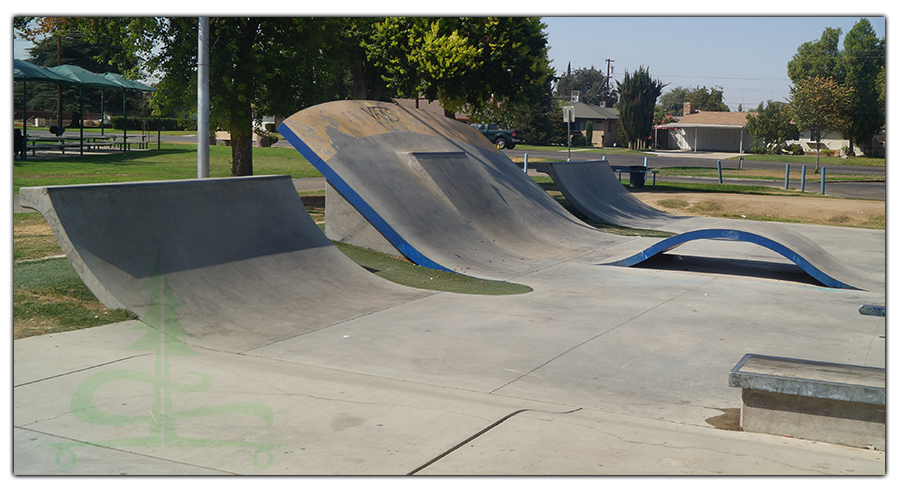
{"x":616,"y":327}
{"x":110,"y":448}
{"x":79,"y":370}
{"x":478,"y":434}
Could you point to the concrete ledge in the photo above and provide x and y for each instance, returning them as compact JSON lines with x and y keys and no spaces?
{"x":830,"y":402}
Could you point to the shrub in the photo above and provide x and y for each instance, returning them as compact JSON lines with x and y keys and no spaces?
{"x":826,"y":152}
{"x":154,"y":123}
{"x":757,"y":148}
{"x":795,"y":149}
{"x":578,"y":140}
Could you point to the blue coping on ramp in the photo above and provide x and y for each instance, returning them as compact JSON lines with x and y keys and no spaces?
{"x":731,"y":234}
{"x":356,"y":200}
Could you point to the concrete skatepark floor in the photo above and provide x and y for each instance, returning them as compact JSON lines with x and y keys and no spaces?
{"x":599,"y":370}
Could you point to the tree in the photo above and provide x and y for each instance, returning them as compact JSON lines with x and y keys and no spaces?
{"x":863,"y":61}
{"x":672,"y":102}
{"x":859,"y":66}
{"x":819,"y":58}
{"x":261,"y":65}
{"x":820,"y":105}
{"x":701,"y":99}
{"x":56,"y":42}
{"x":589,"y":82}
{"x":637,"y":99}
{"x":468,"y":64}
{"x":771,"y":125}
{"x":60,"y":49}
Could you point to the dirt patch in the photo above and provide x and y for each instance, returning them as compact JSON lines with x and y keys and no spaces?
{"x":828,"y":211}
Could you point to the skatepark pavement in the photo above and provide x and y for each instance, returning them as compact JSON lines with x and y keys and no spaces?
{"x":262,"y":350}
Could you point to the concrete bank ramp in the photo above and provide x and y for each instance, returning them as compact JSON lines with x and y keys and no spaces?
{"x":438,"y":191}
{"x":593,"y":188}
{"x":240,"y":257}
{"x":441,"y":194}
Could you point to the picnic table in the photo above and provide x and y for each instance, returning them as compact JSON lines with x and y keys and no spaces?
{"x":90,"y":142}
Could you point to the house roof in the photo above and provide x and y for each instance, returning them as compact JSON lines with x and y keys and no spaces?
{"x":710,"y":119}
{"x":591,"y":112}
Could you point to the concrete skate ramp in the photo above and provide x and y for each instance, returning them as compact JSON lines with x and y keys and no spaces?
{"x":593,"y":188}
{"x":447,"y":199}
{"x":438,"y":191}
{"x":240,"y":255}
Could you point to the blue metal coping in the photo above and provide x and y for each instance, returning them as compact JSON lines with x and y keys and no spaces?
{"x":731,"y":234}
{"x":356,"y":200}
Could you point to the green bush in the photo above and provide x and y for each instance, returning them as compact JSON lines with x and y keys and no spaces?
{"x":795,"y":150}
{"x":154,"y":123}
{"x":757,"y":148}
{"x":578,"y":140}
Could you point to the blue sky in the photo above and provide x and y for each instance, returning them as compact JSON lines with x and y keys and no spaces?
{"x":746,"y":56}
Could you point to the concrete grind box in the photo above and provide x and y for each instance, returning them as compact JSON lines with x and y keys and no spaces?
{"x":829,"y":402}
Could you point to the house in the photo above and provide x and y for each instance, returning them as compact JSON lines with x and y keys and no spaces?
{"x":835,"y":141}
{"x":705,"y":131}
{"x":604,"y":122}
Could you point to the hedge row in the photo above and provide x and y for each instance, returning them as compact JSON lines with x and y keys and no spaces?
{"x":154,"y":122}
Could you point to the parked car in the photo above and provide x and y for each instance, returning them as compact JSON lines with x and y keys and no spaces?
{"x":504,"y":139}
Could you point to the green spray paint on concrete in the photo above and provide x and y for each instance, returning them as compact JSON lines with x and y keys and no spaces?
{"x":162,"y":339}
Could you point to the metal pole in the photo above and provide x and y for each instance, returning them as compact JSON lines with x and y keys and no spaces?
{"x":203,"y":99}
{"x":822,"y":181}
{"x":569,"y":141}
{"x":787,"y":175}
{"x":719,"y":168}
{"x":81,"y":123}
{"x":803,"y":178}
{"x":102,"y":128}
{"x":124,"y":123}
{"x":525,"y":168}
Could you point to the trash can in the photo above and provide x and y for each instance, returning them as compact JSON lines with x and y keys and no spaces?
{"x":637,"y":177}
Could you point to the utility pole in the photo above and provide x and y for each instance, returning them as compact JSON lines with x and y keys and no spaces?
{"x":606,"y":91}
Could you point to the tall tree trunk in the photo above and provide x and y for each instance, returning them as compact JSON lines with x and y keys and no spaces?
{"x":360,"y":88}
{"x":241,"y":130}
{"x":241,"y":127}
{"x":241,"y":153}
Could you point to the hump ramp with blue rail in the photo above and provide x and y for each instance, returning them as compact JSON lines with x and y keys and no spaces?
{"x":595,"y":191}
{"x":446,"y":198}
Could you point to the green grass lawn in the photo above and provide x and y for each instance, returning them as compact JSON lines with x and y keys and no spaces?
{"x":750,"y":173}
{"x":173,"y":161}
{"x":810,"y":161}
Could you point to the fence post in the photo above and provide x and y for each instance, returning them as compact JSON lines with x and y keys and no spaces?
{"x":803,"y":178}
{"x":822,"y":181}
{"x":719,"y":168}
{"x":787,"y":174}
{"x":525,"y":168}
